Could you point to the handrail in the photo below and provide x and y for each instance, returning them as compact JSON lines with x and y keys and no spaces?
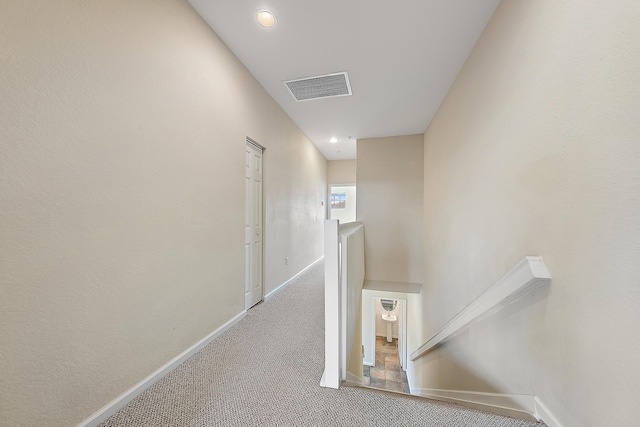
{"x":528,"y":274}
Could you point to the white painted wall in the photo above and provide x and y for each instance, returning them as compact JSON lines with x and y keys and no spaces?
{"x":535,"y":151}
{"x":341,"y":171}
{"x":123,"y":128}
{"x":295,"y":199}
{"x":389,"y":174}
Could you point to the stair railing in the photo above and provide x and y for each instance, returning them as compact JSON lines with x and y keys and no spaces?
{"x":527,"y":275}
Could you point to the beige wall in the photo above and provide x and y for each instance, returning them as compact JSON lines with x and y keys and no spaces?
{"x":121,"y":186}
{"x":341,"y":171}
{"x":535,"y":151}
{"x":295,"y":179}
{"x":390,"y":186}
{"x":355,"y":358}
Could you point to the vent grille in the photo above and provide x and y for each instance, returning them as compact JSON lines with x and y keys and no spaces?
{"x":327,"y":86}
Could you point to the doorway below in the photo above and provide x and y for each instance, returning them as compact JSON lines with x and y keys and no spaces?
{"x":387,"y":336}
{"x":387,"y":373}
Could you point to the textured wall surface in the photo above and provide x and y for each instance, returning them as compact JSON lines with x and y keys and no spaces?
{"x":535,"y":151}
{"x":390,"y":186}
{"x":341,"y":171}
{"x":122,"y":128}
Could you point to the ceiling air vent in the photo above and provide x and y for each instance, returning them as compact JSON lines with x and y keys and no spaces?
{"x":327,"y":86}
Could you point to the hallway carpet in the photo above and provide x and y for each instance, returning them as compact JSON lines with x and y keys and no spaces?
{"x":266,"y":370}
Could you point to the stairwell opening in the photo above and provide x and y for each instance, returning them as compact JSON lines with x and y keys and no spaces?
{"x":383,"y":368}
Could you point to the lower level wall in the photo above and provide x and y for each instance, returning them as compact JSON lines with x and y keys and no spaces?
{"x":389,"y":175}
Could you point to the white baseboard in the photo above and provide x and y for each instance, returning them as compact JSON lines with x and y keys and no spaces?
{"x":545,"y":414}
{"x":516,"y":405}
{"x":411,"y":377}
{"x":119,"y":402}
{"x":522,"y":406}
{"x":282,"y":286}
{"x":323,"y":381}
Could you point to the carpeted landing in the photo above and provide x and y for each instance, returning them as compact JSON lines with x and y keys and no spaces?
{"x":266,"y":370}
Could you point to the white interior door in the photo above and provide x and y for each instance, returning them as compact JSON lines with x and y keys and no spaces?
{"x":253,"y":226}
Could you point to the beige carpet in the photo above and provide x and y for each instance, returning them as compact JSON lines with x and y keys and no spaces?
{"x":265,"y":371}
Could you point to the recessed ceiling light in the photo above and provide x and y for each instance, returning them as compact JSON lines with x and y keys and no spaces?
{"x":266,"y":18}
{"x":333,"y":140}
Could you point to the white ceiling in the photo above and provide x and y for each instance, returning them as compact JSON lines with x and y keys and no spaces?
{"x":402,"y":56}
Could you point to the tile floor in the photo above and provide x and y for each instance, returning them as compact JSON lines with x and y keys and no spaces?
{"x":387,"y":374}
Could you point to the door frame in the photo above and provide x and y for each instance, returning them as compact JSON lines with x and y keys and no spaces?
{"x":402,"y":334}
{"x":263,"y":149}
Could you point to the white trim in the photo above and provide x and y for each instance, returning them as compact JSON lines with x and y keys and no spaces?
{"x":402,"y":347}
{"x":351,"y":279}
{"x":545,"y":414}
{"x":410,"y":379}
{"x":386,"y":286}
{"x":520,"y":406}
{"x":119,"y":402}
{"x":255,"y":144}
{"x":331,"y":375}
{"x":525,"y":276}
{"x":282,"y":286}
{"x":369,"y":317}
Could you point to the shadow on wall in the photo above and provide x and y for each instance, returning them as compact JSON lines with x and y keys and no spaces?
{"x":446,"y":367}
{"x":442,"y":368}
{"x":513,"y":405}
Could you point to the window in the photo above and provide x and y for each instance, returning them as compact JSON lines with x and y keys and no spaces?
{"x":338,"y":200}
